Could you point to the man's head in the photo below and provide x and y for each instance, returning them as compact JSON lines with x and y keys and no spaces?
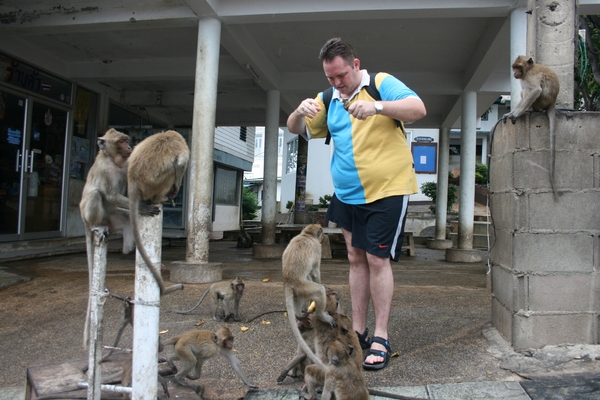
{"x":341,"y":65}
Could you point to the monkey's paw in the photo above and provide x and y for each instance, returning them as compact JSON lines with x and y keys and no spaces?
{"x":100,"y":233}
{"x":148,"y":209}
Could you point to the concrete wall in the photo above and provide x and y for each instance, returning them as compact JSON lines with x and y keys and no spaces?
{"x":545,"y":260}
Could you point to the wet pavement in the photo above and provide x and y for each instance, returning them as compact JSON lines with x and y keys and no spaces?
{"x":439,"y":328}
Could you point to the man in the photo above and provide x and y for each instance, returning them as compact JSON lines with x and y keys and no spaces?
{"x":373,"y":175}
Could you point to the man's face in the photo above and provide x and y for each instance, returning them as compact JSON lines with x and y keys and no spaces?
{"x":342,"y":76}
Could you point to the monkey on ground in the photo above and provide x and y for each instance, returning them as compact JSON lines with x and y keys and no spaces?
{"x":222,"y":293}
{"x":103,"y":205}
{"x":342,"y":377}
{"x":156,"y":168}
{"x":301,"y":267}
{"x":193,"y":348}
{"x":317,"y":334}
{"x":539,"y":90}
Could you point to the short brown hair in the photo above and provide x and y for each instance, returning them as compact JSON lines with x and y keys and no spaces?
{"x":337,"y":47}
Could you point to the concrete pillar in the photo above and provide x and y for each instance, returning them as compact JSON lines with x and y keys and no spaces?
{"x":196,"y":268}
{"x":544,"y":260}
{"x":551,"y":39}
{"x":518,"y":47}
{"x":441,"y":199}
{"x":466,"y":201}
{"x":268,"y":248}
{"x":147,"y":311}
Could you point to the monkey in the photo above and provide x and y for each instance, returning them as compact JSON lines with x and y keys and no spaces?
{"x":539,"y":91}
{"x":193,"y":348}
{"x":314,"y":331}
{"x":341,"y":376}
{"x":222,"y":293}
{"x":156,"y":168}
{"x":301,"y":267}
{"x":103,"y":206}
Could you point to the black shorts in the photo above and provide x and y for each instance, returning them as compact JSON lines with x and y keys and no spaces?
{"x":377,"y":228}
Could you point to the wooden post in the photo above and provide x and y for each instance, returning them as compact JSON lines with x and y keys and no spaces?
{"x":97,"y":299}
{"x":147,"y":311}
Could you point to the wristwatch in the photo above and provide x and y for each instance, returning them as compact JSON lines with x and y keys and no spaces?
{"x":378,"y":107}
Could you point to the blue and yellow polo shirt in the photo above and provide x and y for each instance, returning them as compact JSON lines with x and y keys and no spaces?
{"x":371,"y":158}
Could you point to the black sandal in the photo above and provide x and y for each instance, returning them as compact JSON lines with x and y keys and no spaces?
{"x":363,"y":339}
{"x":380,"y":353}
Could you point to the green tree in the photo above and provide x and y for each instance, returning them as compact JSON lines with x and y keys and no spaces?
{"x":481,"y":174}
{"x":429,"y":189}
{"x":587,"y":74}
{"x":249,"y":204}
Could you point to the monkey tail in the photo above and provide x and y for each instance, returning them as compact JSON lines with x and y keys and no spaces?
{"x":292,"y":318}
{"x":134,"y":212}
{"x":196,"y":306}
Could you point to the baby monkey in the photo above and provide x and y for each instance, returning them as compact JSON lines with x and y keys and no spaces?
{"x":193,"y":348}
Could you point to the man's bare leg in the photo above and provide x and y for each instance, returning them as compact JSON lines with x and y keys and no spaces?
{"x":382,"y":291}
{"x":360,"y":291}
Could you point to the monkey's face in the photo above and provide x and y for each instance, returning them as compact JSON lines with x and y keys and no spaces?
{"x":124,"y":148}
{"x":517,"y":71}
{"x":239,"y":288}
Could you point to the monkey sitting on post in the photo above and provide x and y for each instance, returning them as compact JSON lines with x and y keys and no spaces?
{"x":301,"y":267}
{"x":103,"y":205}
{"x":539,"y":91}
{"x":222,"y":293}
{"x":193,"y":348}
{"x":156,"y":168}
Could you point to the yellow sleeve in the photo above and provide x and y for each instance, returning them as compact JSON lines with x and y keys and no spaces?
{"x":317,"y":126}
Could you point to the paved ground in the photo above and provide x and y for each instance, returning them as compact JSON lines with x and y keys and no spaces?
{"x":440,"y":329}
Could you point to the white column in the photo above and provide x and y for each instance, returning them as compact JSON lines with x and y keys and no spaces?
{"x":466,"y":199}
{"x":203,"y":140}
{"x":269,"y":203}
{"x":196,"y":268}
{"x":147,"y":311}
{"x":468,"y":140}
{"x":439,"y":240}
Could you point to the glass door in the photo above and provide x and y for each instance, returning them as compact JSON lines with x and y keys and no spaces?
{"x":44,"y":174}
{"x":32,"y":154}
{"x":12,"y":132}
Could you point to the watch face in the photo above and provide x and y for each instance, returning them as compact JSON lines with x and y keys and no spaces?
{"x":378,"y":107}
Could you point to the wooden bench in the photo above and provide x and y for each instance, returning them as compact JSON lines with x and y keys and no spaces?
{"x":290,"y":230}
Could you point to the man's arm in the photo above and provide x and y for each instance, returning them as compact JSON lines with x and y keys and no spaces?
{"x":296,"y":122}
{"x":409,"y":109}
